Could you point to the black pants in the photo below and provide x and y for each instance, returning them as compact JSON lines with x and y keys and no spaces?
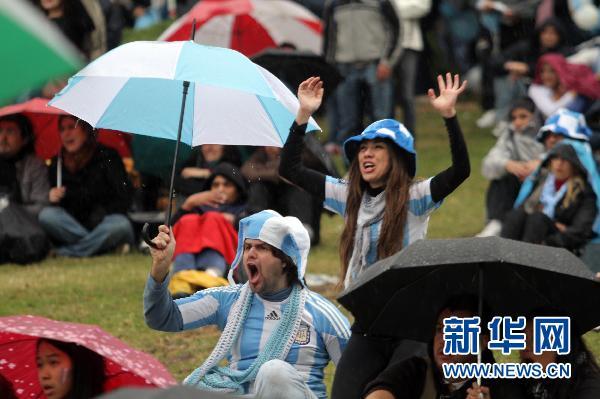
{"x":365,"y":358}
{"x":501,"y":196}
{"x":533,"y":228}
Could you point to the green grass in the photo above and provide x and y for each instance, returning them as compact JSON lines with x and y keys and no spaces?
{"x":108,"y":290}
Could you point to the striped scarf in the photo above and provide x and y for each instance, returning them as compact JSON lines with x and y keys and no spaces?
{"x":209,"y":376}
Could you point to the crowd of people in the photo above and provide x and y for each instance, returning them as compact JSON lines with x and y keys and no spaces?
{"x":230,"y":258}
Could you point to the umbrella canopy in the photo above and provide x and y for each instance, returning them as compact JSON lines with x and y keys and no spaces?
{"x":408,"y":289}
{"x":292,"y":67}
{"x":124,"y":365}
{"x":44,"y":119}
{"x":29,"y":40}
{"x":137,"y":88}
{"x":249,"y":26}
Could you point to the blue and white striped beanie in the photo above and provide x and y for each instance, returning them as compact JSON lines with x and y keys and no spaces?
{"x":569,"y":124}
{"x":284,"y":233}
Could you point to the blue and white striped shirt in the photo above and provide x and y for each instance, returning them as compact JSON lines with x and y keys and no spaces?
{"x":420,"y":207}
{"x":322,"y":337}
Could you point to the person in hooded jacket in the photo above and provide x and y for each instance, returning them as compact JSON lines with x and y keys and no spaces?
{"x":205,"y":224}
{"x":514,"y":157}
{"x":277,"y":335}
{"x":561,"y":207}
{"x":23,"y":193}
{"x":90,"y":194}
{"x":515,"y":67}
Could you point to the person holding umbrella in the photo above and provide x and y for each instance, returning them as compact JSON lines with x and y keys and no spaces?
{"x":385,"y":208}
{"x":419,"y":377}
{"x":67,"y":370}
{"x":585,"y":372}
{"x":90,"y":194}
{"x":277,"y":335}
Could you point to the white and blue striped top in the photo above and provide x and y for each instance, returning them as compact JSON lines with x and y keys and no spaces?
{"x":420,"y":207}
{"x":323,"y":333}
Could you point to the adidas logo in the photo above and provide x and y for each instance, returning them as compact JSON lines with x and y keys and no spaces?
{"x":272,"y":316}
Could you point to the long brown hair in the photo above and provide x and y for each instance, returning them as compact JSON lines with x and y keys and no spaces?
{"x":396,"y":208}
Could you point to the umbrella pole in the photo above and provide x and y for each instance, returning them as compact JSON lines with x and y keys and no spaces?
{"x":145,"y":234}
{"x":186,"y":86}
{"x":480,"y":313}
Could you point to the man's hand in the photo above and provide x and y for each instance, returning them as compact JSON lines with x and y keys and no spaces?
{"x":56,"y":194}
{"x":384,"y":71}
{"x":519,"y":169}
{"x":210,"y":198}
{"x":449,"y":92}
{"x":310,"y":96}
{"x":516,"y":68}
{"x":162,"y":255}
{"x":478,"y":392}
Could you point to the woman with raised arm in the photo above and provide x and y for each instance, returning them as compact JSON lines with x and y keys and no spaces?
{"x":384,"y":206}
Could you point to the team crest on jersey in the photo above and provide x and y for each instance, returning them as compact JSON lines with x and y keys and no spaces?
{"x":303,"y":335}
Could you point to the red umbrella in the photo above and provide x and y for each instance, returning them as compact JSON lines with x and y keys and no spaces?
{"x":125,"y":366}
{"x":249,"y":26}
{"x":44,"y":119}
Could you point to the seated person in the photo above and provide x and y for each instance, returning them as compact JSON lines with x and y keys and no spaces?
{"x":560,"y":208}
{"x":205,"y":225}
{"x":278,"y":336}
{"x":200,"y":164}
{"x":23,"y":185}
{"x":558,"y":84}
{"x":514,"y":157}
{"x":90,"y":195}
{"x":268,"y":191}
{"x":17,"y":156}
{"x":417,"y":377}
{"x":585,"y":373}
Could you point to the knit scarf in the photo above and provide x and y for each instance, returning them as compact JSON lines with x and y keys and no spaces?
{"x":550,"y":195}
{"x":370,"y":212}
{"x":209,"y":376}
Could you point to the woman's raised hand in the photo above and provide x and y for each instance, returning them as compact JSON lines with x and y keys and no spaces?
{"x":310,"y":96}
{"x":449,"y":91}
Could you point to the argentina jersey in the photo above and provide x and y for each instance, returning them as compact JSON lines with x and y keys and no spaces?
{"x":420,"y":207}
{"x":322,"y":335}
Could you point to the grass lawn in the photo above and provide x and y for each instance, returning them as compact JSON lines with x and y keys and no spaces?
{"x":108,"y":290}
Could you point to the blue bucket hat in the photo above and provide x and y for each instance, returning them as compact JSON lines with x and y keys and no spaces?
{"x":389,"y":129}
{"x":570,"y":124}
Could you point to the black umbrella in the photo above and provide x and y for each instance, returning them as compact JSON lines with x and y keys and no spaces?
{"x":401,"y":295}
{"x":177,"y":392}
{"x":293,"y":67}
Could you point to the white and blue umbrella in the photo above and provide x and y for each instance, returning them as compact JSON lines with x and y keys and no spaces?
{"x":137,"y":88}
{"x":182,"y":91}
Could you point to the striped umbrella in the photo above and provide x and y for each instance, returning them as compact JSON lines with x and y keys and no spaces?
{"x":249,"y":26}
{"x":33,"y":49}
{"x":182,"y":91}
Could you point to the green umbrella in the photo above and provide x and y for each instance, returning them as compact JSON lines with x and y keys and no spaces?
{"x":33,"y":49}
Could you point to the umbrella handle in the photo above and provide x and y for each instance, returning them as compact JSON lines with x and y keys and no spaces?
{"x":146,"y":236}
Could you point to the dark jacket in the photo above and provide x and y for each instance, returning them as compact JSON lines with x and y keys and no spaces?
{"x":100,"y":188}
{"x":580,"y":215}
{"x":415,"y":378}
{"x":587,"y":386}
{"x":529,"y":51}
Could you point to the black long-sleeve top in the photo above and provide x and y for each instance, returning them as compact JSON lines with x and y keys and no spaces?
{"x":442,"y":184}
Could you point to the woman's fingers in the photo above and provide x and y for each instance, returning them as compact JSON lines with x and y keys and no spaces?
{"x":441,"y":84}
{"x":448,"y":80}
{"x":431,"y":94}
